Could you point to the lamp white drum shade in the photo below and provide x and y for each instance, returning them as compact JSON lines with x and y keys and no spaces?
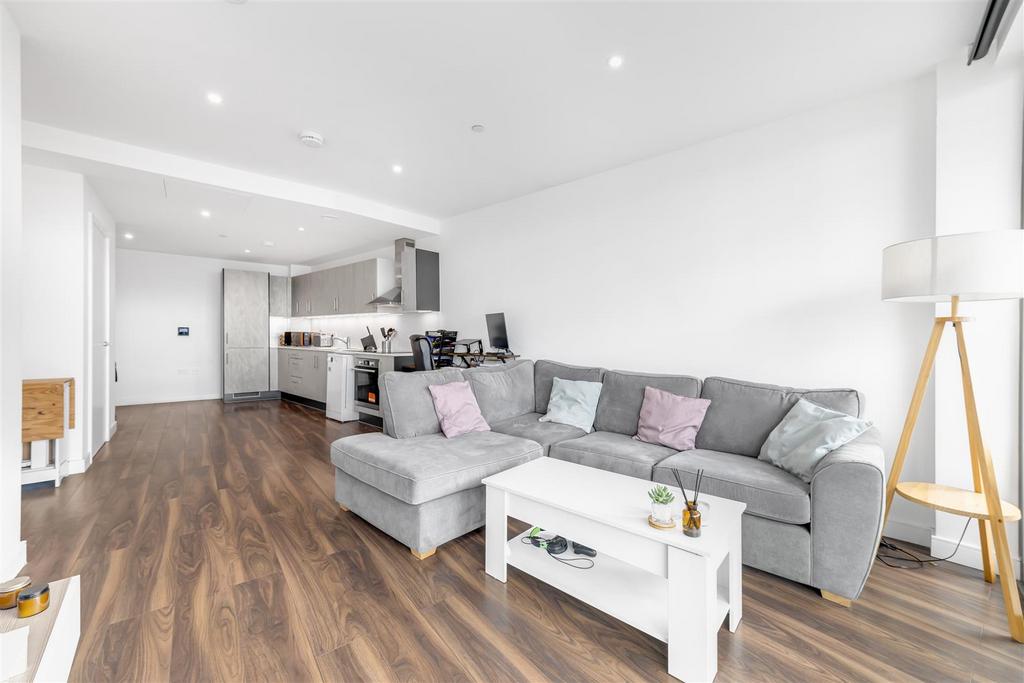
{"x":976,"y":266}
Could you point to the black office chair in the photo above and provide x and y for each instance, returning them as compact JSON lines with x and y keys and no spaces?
{"x":421,"y":352}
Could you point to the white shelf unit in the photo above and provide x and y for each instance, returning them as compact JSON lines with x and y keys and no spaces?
{"x":644,"y":607}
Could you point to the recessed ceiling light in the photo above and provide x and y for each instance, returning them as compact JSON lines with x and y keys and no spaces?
{"x":268,"y":243}
{"x":396,"y":169}
{"x":302,"y":229}
{"x":214,"y":98}
{"x":129,"y":236}
{"x":310,"y":138}
{"x":329,"y":217}
{"x":477,"y":128}
{"x":615,"y":61}
{"x":248,"y":251}
{"x":204,"y":213}
{"x":222,"y":235}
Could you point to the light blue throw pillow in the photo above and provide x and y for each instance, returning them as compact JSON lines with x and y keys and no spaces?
{"x":807,"y":434}
{"x":573,"y":402}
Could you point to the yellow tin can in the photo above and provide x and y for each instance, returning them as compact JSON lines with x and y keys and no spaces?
{"x":9,"y":591}
{"x":33,"y":601}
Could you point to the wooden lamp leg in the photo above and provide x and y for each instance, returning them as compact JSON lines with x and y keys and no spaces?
{"x":915,"y":408}
{"x":984,"y":528}
{"x":983,"y":463}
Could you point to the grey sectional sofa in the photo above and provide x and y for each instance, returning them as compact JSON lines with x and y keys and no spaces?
{"x":423,"y":489}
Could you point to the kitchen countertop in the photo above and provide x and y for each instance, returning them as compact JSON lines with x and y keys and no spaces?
{"x":354,"y":352}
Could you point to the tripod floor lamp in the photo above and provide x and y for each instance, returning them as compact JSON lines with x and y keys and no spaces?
{"x":975,"y":266}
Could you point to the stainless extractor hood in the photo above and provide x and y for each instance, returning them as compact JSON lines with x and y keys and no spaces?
{"x":405,"y":276}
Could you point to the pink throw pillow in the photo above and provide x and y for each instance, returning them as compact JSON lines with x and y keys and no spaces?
{"x":457,"y":409}
{"x":670,"y":420}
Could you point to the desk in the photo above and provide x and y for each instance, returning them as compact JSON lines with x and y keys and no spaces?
{"x":475,"y":359}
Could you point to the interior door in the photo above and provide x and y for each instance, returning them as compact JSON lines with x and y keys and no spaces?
{"x":100,"y":336}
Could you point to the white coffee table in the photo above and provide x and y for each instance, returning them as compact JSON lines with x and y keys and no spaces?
{"x":670,"y":586}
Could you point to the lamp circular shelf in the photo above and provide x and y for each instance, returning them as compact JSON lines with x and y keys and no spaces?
{"x":953,"y":500}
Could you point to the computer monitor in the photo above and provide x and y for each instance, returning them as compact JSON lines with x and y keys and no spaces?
{"x":497,"y":335}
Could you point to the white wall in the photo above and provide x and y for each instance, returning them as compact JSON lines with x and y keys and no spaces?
{"x":12,"y":548}
{"x":756,"y":255}
{"x":55,"y":246}
{"x":980,"y":116}
{"x":155,"y":294}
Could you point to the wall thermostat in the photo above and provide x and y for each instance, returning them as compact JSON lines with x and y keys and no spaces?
{"x":182,"y":331}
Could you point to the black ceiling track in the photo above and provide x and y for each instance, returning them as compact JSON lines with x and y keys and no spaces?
{"x":995,"y":13}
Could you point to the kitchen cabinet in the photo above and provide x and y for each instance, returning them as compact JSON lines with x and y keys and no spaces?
{"x":280,"y":296}
{"x":246,"y":341}
{"x":246,"y":370}
{"x":321,"y":294}
{"x":340,"y":290}
{"x":303,"y":373}
{"x":301,"y":304}
{"x":246,"y":308}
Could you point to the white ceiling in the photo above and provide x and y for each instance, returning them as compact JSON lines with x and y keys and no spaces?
{"x":402,"y":83}
{"x":163,"y":214}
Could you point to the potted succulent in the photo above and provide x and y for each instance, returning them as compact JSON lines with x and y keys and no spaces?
{"x":661,"y":504}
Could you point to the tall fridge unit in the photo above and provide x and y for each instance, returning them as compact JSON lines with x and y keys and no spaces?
{"x":247,"y":336}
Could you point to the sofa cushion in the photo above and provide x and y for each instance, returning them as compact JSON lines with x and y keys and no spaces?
{"x":623,"y":395}
{"x":573,"y":402}
{"x":768,"y":491}
{"x":670,"y":420}
{"x":612,"y":452}
{"x":457,"y":409}
{"x":743,"y":414}
{"x":544,"y":371}
{"x":422,"y":468}
{"x":503,"y":391}
{"x":530,"y":427}
{"x":405,"y":402}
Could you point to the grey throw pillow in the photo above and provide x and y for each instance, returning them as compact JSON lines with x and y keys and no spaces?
{"x":573,"y":402}
{"x":807,"y":434}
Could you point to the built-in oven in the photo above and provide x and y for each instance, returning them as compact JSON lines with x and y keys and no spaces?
{"x":367,"y":388}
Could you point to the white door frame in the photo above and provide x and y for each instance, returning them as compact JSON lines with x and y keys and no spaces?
{"x":94,"y":224}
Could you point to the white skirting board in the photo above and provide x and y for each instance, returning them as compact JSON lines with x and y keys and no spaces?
{"x":147,"y":400}
{"x":969,"y":553}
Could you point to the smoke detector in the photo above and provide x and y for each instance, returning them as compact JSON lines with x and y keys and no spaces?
{"x":310,"y":138}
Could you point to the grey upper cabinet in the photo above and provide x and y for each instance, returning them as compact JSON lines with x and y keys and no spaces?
{"x":280,"y":296}
{"x":364,"y":286}
{"x":333,"y":291}
{"x":346,"y":289}
{"x":246,"y":309}
{"x":321,"y":294}
{"x":301,"y":304}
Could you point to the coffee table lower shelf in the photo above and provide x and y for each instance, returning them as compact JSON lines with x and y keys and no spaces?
{"x":644,"y":606}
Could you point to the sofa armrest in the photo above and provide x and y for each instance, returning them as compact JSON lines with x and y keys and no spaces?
{"x":847,"y":500}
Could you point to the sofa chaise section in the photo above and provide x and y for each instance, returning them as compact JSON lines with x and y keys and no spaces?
{"x":413,"y":483}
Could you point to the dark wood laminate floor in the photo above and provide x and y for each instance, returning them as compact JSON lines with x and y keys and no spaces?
{"x":210,"y":548}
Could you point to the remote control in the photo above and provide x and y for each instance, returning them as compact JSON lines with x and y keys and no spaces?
{"x":581,"y":549}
